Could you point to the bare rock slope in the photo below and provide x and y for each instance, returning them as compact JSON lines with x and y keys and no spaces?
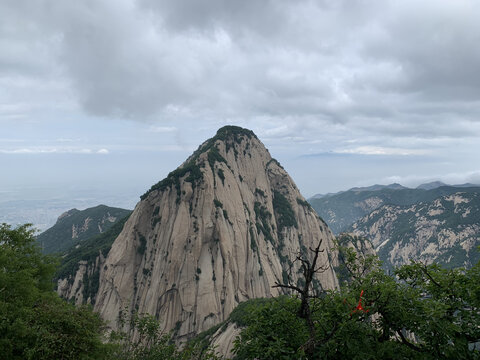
{"x":217,"y":231}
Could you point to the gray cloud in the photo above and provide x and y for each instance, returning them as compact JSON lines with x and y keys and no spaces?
{"x":347,"y":69}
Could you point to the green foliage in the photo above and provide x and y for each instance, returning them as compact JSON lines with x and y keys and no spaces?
{"x":304,"y":203}
{"x":272,"y":329}
{"x":236,"y":133}
{"x":253,"y":243}
{"x":143,"y":244}
{"x":63,"y":331}
{"x":173,"y":179}
{"x":225,"y":215}
{"x":262,"y":216}
{"x":242,"y":314}
{"x":140,"y":338}
{"x":89,"y":249}
{"x":60,"y":237}
{"x":215,"y":156}
{"x":221,"y":175}
{"x":217,"y":203}
{"x":201,"y":342}
{"x":35,"y":322}
{"x":259,"y":192}
{"x":421,"y":312}
{"x":273,"y":161}
{"x":284,"y":211}
{"x":149,"y":342}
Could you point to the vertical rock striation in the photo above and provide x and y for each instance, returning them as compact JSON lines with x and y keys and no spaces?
{"x":219,"y":230}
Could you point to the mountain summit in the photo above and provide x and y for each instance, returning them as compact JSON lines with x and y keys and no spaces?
{"x":222,"y":228}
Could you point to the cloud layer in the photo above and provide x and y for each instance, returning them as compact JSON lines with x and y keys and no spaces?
{"x":342,"y":77}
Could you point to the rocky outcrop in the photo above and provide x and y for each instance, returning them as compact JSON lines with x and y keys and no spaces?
{"x":219,"y":230}
{"x":445,"y":230}
{"x":82,"y":286}
{"x":362,"y":246}
{"x":77,"y":277}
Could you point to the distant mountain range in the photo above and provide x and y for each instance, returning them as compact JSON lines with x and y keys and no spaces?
{"x":433,"y":223}
{"x":395,"y":186}
{"x":74,"y":226}
{"x":342,"y":209}
{"x":445,"y":230}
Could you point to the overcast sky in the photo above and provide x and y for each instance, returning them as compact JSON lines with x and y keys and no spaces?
{"x":111,"y":95}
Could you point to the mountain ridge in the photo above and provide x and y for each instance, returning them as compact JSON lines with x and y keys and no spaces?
{"x":74,"y":226}
{"x":444,"y":230}
{"x":343,"y":209}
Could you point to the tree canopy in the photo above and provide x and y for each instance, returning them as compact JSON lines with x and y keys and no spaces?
{"x":35,"y":322}
{"x":419,"y":312}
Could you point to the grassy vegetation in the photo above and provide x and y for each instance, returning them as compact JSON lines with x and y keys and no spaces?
{"x":253,"y":244}
{"x":259,"y":192}
{"x":274,"y":161}
{"x":221,"y":175}
{"x":143,"y":244}
{"x":262,"y":215}
{"x":225,"y":215}
{"x":304,"y":203}
{"x":284,"y":211}
{"x":173,"y":179}
{"x":214,"y":156}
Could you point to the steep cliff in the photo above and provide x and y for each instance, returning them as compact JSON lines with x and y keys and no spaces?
{"x":445,"y":230}
{"x":217,"y":231}
{"x":78,"y":275}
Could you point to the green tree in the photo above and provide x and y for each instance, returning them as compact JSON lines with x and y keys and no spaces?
{"x":34,"y":322}
{"x":140,"y":337}
{"x":273,"y":330}
{"x":419,"y":312}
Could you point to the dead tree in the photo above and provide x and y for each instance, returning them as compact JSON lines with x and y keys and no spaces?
{"x":306,"y":292}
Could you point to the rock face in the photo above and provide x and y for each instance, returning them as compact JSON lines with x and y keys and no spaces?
{"x":445,"y":230}
{"x":78,"y":275}
{"x":76,"y":287}
{"x":217,"y":231}
{"x":362,"y":246}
